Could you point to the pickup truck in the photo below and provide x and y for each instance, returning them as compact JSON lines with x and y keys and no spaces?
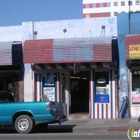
{"x":25,"y":116}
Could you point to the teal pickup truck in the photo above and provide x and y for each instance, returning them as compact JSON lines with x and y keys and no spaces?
{"x":25,"y":116}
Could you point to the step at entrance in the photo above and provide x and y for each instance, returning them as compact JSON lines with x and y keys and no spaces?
{"x":78,"y":116}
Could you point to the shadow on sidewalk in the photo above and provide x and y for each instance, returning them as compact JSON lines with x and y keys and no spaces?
{"x":51,"y":129}
{"x":58,"y":129}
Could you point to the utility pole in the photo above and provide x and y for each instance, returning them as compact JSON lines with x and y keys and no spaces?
{"x":129,"y":3}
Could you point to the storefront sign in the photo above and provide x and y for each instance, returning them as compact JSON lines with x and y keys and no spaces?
{"x":101,"y":81}
{"x":101,"y":90}
{"x":136,"y":72}
{"x":134,"y":51}
{"x":135,"y":98}
{"x":101,"y":98}
{"x":50,"y":92}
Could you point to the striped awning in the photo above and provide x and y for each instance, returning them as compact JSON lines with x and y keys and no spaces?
{"x":61,"y":66}
{"x":11,"y":53}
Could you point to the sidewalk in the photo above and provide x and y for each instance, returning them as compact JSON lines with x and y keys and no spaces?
{"x":97,"y":126}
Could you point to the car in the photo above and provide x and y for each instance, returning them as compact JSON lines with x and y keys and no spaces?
{"x":25,"y":116}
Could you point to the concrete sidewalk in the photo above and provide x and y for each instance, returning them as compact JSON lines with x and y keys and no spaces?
{"x":97,"y":126}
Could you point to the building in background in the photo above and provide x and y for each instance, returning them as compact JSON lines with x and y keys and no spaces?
{"x":109,"y":8}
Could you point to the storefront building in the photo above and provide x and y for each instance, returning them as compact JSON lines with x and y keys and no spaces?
{"x":80,"y":72}
{"x":128,"y":45}
{"x":11,"y":68}
{"x":132,"y":43}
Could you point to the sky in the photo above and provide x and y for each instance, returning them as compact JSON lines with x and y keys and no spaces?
{"x":14,"y":12}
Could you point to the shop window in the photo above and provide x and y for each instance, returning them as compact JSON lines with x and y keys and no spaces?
{"x":101,"y":87}
{"x":49,"y":86}
{"x":136,"y":80}
{"x":136,"y":87}
{"x":48,"y":79}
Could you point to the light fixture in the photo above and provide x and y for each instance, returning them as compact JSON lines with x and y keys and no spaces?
{"x":64,"y":30}
{"x":101,"y":81}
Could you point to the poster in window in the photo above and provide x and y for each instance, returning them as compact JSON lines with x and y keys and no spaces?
{"x":101,"y":90}
{"x":49,"y":92}
{"x":49,"y":79}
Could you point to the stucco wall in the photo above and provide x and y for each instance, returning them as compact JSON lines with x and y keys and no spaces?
{"x":76,"y":28}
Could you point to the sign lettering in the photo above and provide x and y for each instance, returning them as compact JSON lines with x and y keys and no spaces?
{"x":50,"y":93}
{"x":134,"y":51}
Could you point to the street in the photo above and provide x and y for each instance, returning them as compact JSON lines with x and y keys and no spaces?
{"x":64,"y":136}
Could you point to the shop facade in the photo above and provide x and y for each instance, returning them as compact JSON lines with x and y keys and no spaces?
{"x":11,"y":68}
{"x":128,"y":45}
{"x":80,"y":72}
{"x":132,"y":43}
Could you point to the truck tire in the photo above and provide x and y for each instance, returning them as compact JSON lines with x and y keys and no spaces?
{"x":24,"y":124}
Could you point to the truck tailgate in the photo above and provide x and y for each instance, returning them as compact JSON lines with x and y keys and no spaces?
{"x":59,"y":111}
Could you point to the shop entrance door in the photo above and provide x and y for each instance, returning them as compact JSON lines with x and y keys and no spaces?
{"x":79,"y":92}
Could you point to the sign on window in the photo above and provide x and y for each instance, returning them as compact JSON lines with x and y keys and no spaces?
{"x":49,"y":92}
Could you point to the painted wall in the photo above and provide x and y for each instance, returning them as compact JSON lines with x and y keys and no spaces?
{"x":55,"y":29}
{"x":76,"y":28}
{"x":124,"y":29}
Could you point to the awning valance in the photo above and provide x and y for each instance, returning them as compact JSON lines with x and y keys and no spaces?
{"x":68,"y":50}
{"x":11,"y":53}
{"x":70,"y":66}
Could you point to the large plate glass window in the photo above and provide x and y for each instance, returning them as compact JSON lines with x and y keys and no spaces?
{"x":135,"y":86}
{"x":102,"y":87}
{"x":49,"y":86}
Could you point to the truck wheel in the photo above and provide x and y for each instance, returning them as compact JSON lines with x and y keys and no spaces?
{"x":24,"y":124}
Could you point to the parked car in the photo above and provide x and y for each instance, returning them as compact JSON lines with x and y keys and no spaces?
{"x":25,"y":116}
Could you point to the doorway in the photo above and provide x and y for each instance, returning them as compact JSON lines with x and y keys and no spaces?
{"x":79,"y":84}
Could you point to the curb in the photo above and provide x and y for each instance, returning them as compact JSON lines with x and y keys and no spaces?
{"x":103,"y":130}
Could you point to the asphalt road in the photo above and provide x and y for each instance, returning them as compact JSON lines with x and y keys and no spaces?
{"x":63,"y":136}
